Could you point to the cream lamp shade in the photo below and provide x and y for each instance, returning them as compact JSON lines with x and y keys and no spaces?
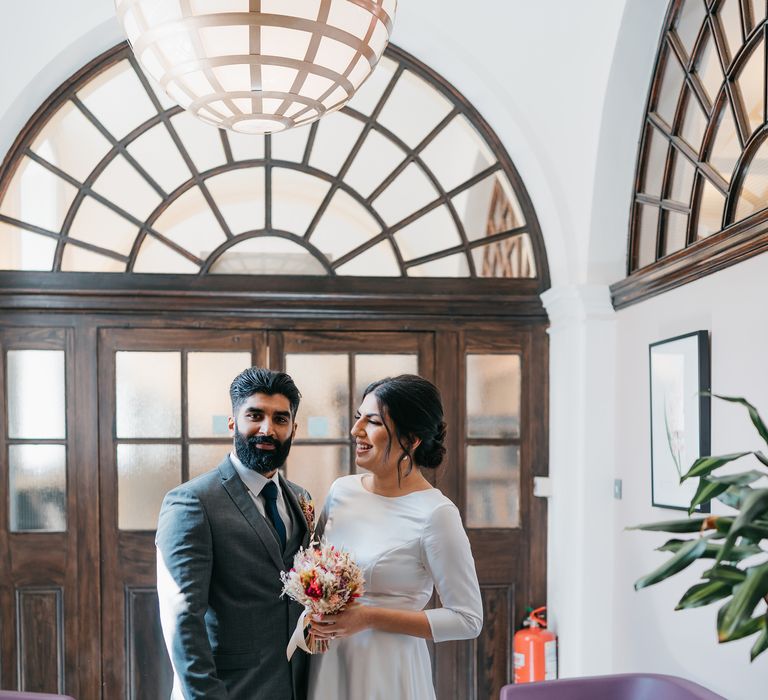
{"x":258,"y":66}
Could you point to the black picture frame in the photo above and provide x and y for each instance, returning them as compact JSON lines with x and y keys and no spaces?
{"x":680,"y":415}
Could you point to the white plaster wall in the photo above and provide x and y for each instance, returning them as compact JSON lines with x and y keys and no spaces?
{"x":620,"y":128}
{"x":42,"y":43}
{"x":647,"y":633}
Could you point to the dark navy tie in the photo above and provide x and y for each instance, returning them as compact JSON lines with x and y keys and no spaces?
{"x":270,"y":501}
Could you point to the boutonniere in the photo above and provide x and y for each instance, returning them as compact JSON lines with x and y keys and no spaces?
{"x":308,"y":510}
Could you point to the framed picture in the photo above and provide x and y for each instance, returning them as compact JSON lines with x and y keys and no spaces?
{"x":680,"y":416}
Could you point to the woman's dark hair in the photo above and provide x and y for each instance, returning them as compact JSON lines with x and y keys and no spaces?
{"x":415,"y":408}
{"x":257,"y":380}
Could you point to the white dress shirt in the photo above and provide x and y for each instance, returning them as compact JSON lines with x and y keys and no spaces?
{"x":255,"y":482}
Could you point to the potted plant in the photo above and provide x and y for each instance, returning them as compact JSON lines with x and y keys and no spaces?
{"x":736,"y":544}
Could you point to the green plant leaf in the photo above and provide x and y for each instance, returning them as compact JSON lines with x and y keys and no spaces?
{"x":746,"y":595}
{"x":744,"y":630}
{"x":755,"y":504}
{"x":685,"y":555}
{"x":735,"y":496}
{"x":762,"y":641}
{"x":725,"y":572}
{"x":712,"y":486}
{"x":755,"y":532}
{"x":704,"y":594}
{"x":753,"y":414}
{"x":705,"y":465}
{"x":740,"y":479}
{"x":687,"y":525}
{"x":721,"y":523}
{"x":706,"y":491}
{"x":712,"y":550}
{"x":762,"y":457}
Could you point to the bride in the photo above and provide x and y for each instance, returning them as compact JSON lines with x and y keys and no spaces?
{"x":408,"y":539}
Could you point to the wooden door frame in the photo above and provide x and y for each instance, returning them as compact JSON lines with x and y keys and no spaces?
{"x":86,"y":303}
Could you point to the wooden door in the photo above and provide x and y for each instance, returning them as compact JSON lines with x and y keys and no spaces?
{"x":495,"y":391}
{"x":49,"y":597}
{"x":163,"y":420}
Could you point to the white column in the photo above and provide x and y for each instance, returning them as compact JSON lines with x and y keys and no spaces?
{"x":580,"y":545}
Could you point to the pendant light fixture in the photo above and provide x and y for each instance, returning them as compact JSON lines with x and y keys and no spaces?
{"x":258,"y":66}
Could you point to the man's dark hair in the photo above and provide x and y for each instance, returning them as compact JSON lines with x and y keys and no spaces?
{"x":258,"y":380}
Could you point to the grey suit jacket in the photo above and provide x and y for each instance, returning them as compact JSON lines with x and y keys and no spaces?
{"x":219,"y":562}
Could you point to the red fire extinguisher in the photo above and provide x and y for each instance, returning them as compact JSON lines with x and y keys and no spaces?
{"x":535,"y":649}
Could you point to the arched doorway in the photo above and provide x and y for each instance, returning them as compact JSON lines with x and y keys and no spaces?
{"x":150,"y":258}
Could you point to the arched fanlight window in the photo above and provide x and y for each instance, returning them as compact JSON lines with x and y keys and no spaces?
{"x":701,"y":186}
{"x":406,"y":180}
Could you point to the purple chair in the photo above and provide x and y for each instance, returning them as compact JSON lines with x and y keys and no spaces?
{"x":16,"y":695}
{"x":628,"y":686}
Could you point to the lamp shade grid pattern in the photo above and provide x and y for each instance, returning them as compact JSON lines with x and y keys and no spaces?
{"x":258,"y":66}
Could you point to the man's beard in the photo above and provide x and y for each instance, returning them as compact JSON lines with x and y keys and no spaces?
{"x":261,"y":461}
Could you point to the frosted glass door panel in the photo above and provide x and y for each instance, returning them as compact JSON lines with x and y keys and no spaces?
{"x":38,"y":488}
{"x":493,"y":396}
{"x":145,"y":473}
{"x":148,"y":394}
{"x":316,"y":467}
{"x":371,"y":368}
{"x":205,"y":457}
{"x":493,"y":486}
{"x":323,"y":380}
{"x":36,"y":407}
{"x":210,"y":374}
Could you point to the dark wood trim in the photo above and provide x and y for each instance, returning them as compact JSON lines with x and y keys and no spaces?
{"x":272,"y":295}
{"x":730,"y":246}
{"x":84,"y":479}
{"x":57,"y":593}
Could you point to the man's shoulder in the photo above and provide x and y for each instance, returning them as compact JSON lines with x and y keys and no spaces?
{"x":300,"y":491}
{"x":201,"y":484}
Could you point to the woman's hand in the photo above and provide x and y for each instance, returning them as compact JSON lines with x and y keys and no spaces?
{"x":355,"y":618}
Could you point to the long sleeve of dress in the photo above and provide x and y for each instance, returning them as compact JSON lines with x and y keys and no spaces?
{"x":448,"y":557}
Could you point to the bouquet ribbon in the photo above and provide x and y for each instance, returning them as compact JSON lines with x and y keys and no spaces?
{"x":297,"y":640}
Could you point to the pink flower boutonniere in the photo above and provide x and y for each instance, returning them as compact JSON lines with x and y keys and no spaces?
{"x":308,"y":509}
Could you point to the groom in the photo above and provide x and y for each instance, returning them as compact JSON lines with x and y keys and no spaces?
{"x":222,"y":541}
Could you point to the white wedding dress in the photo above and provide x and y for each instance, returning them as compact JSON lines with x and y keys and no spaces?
{"x":405,"y":546}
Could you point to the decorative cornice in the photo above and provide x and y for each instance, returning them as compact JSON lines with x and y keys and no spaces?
{"x":266,"y":296}
{"x":576,"y":304}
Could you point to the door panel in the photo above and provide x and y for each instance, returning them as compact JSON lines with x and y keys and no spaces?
{"x":496,"y":412}
{"x":163,"y":421}
{"x":43,"y":516}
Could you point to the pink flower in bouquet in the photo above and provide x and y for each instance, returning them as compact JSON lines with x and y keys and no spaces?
{"x":315,"y":590}
{"x":324,"y":580}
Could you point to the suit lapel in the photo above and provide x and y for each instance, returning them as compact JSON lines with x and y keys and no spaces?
{"x":297,"y":513}
{"x":237,"y":491}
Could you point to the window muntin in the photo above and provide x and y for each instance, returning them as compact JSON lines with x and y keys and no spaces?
{"x":700,"y":163}
{"x":402,"y":182}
